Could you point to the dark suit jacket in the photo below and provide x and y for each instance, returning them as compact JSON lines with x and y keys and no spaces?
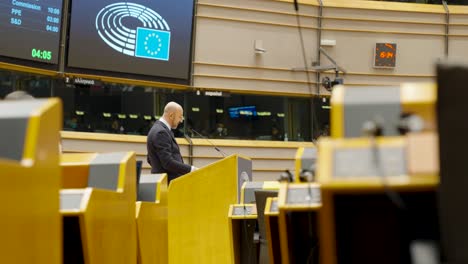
{"x":164,"y":153}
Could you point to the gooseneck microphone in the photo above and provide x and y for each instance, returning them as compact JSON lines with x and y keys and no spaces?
{"x":209,"y":141}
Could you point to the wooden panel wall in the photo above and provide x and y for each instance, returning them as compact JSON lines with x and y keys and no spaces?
{"x":226,"y":31}
{"x":225,"y":58}
{"x":269,"y":158}
{"x":458,"y":33}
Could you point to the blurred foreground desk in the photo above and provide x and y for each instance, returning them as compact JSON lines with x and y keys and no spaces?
{"x":298,"y":205}
{"x":242,"y":222}
{"x":198,"y":224}
{"x":151,"y":218}
{"x":272,"y":230}
{"x":30,"y":225}
{"x":352,"y":107}
{"x":373,"y":212}
{"x":99,"y":212}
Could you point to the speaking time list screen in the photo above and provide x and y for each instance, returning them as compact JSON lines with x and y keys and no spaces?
{"x":30,"y":29}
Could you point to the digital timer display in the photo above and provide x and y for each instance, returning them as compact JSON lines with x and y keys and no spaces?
{"x":30,"y":29}
{"x":385,"y":55}
{"x":41,"y":54}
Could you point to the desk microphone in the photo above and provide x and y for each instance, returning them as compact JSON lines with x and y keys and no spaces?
{"x":209,"y":141}
{"x":373,"y":129}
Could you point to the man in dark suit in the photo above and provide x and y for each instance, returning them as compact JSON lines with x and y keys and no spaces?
{"x":163,"y":151}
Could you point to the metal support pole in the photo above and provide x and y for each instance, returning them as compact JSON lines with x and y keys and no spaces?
{"x":447,"y":21}
{"x":63,"y":36}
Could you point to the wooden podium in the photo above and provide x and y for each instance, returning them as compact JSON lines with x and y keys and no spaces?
{"x":198,"y":205}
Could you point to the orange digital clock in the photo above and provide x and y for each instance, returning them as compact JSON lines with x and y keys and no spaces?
{"x":385,"y":55}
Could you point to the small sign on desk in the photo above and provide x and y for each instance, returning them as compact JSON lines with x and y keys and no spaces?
{"x":244,"y":210}
{"x":385,"y":55}
{"x":385,"y":161}
{"x":303,"y":195}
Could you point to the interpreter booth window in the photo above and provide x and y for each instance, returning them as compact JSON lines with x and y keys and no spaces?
{"x":250,"y":117}
{"x":114,"y":108}
{"x":321,"y":117}
{"x":7,"y":83}
{"x":38,"y":86}
{"x":300,"y":114}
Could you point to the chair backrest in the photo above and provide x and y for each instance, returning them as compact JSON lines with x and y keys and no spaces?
{"x":14,"y":118}
{"x":104,"y":170}
{"x":248,"y":189}
{"x":359,"y":105}
{"x":148,"y":187}
{"x":260,"y":199}
{"x":139,"y":165}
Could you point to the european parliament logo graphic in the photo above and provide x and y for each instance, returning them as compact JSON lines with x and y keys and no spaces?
{"x":151,"y":41}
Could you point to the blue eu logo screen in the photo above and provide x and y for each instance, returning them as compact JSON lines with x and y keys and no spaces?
{"x":153,"y":44}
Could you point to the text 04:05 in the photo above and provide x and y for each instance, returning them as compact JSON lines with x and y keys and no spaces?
{"x":41,"y":54}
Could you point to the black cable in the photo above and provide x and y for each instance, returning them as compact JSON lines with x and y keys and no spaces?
{"x":394,"y":197}
{"x":374,"y":129}
{"x":209,"y":141}
{"x":306,"y":67}
{"x":299,"y":27}
{"x":246,"y":234}
{"x":314,"y":243}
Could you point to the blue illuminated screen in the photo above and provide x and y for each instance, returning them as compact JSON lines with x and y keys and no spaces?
{"x":242,"y":111}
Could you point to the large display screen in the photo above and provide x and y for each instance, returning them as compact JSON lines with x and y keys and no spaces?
{"x":144,"y":37}
{"x":30,"y":29}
